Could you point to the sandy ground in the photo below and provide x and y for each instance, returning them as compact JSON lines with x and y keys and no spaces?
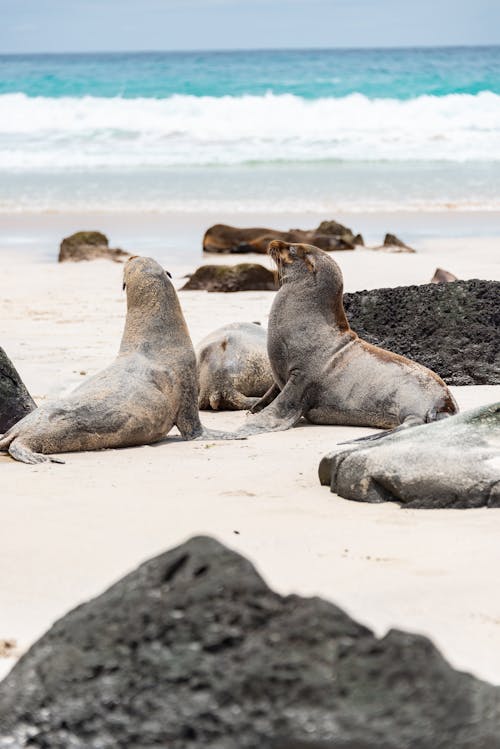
{"x":69,"y":531}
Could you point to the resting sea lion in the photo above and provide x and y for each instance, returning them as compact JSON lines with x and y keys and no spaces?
{"x":233,"y":367}
{"x":150,"y":387}
{"x":323,"y":370}
{"x":451,"y":463}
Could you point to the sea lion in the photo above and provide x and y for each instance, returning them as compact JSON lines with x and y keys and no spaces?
{"x":323,"y":370}
{"x":150,"y":387}
{"x":233,"y":367}
{"x":451,"y":463}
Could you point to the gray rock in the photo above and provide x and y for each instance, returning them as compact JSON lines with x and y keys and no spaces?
{"x":450,"y":463}
{"x":193,"y":650}
{"x":15,"y":401}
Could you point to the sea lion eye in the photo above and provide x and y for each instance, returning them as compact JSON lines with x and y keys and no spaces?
{"x":124,"y":286}
{"x":168,"y":274}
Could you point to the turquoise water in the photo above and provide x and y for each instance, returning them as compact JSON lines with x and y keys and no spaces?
{"x":310,"y":74}
{"x":265,"y":131}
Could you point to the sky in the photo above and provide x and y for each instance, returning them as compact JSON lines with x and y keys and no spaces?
{"x":115,"y":25}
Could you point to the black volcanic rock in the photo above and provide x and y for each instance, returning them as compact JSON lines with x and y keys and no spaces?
{"x":192,"y":650}
{"x":452,"y":328}
{"x":15,"y":401}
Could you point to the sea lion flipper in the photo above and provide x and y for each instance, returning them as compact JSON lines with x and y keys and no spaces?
{"x":283,"y":413}
{"x":410,"y":421}
{"x":23,"y":454}
{"x":266,"y":399}
{"x":215,"y":434}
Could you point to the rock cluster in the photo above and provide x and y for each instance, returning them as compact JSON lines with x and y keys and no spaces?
{"x":194,"y":650}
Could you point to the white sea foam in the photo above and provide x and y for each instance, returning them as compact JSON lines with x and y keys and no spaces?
{"x":91,"y":132}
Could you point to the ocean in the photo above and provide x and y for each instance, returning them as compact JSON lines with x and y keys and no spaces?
{"x":322,"y":131}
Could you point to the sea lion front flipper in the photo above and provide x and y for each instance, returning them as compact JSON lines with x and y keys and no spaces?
{"x":24,"y":455}
{"x":410,"y":421}
{"x":283,"y":413}
{"x":189,"y":425}
{"x":266,"y":399}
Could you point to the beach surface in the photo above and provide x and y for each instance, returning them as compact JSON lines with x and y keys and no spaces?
{"x":69,"y":531}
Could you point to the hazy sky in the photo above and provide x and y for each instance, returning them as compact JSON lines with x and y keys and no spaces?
{"x":90,"y":25}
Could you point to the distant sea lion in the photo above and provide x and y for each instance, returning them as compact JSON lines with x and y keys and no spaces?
{"x":453,"y":463}
{"x":323,"y":370}
{"x":330,"y":235}
{"x":150,"y":387}
{"x":233,"y":367}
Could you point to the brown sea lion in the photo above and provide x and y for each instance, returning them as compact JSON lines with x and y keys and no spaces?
{"x":150,"y":387}
{"x":323,"y":370}
{"x":329,"y":235}
{"x":233,"y":367}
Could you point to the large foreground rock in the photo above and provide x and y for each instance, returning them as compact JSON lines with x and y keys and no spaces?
{"x":193,"y":651}
{"x":240,"y":277}
{"x":15,"y":401}
{"x":89,"y":245}
{"x":451,"y":463}
{"x":329,"y":235}
{"x":452,"y":328}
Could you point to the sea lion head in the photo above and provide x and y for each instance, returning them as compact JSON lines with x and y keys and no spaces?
{"x":146,"y":282}
{"x":297,"y":261}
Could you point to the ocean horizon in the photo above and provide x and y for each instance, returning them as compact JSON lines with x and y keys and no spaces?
{"x":251,"y":130}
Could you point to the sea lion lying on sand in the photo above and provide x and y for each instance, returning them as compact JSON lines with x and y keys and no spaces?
{"x":150,"y":387}
{"x":453,"y":463}
{"x":323,"y":370}
{"x":233,"y":367}
{"x":329,"y":235}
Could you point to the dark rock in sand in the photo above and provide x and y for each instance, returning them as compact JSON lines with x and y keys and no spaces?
{"x":193,"y":650}
{"x":89,"y":245}
{"x":241,"y":277}
{"x":450,"y":463}
{"x":393,"y":244}
{"x":340,"y":232}
{"x":454,"y":329}
{"x":231,"y":239}
{"x":443,"y":276}
{"x":15,"y":401}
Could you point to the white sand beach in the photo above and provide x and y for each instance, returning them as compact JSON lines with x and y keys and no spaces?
{"x":68,"y":531}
